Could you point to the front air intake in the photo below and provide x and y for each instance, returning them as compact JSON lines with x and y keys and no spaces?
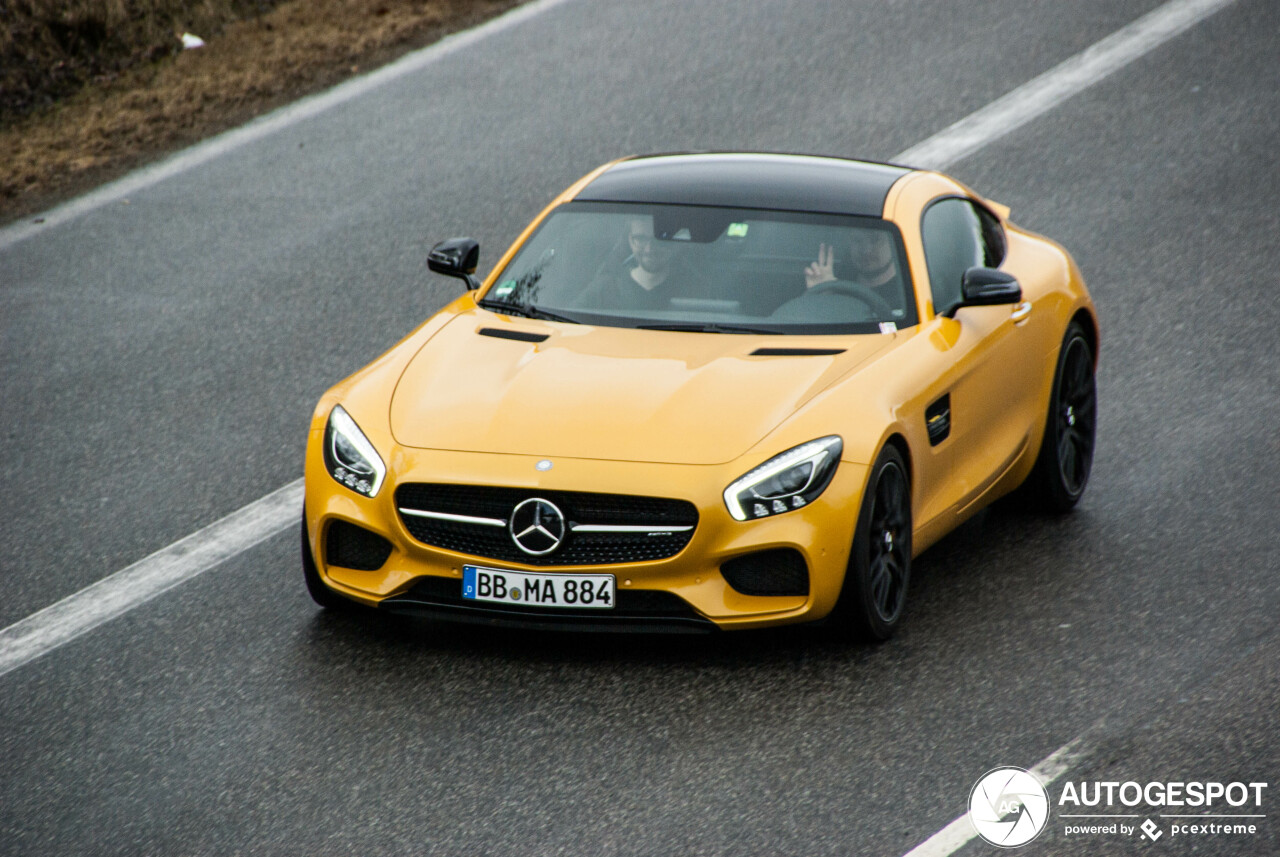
{"x":781,"y":571}
{"x":349,"y":546}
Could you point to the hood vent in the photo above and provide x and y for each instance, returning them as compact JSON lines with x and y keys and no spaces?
{"x":796,"y":352}
{"x":517,"y":335}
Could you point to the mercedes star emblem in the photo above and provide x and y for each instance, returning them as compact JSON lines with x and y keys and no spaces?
{"x":537,"y":526}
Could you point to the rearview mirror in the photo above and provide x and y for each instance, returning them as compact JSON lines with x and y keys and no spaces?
{"x":456,"y":257}
{"x":986,"y":287}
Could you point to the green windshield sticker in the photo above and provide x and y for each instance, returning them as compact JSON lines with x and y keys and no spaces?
{"x":505,"y":288}
{"x":737,"y":230}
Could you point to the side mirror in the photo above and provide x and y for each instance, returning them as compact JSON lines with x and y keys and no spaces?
{"x":456,"y":257}
{"x":986,"y":287}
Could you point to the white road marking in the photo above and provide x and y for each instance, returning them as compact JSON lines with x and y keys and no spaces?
{"x":119,"y":593}
{"x":112,"y":596}
{"x":285,"y":117}
{"x":1038,"y":96}
{"x":957,"y":834}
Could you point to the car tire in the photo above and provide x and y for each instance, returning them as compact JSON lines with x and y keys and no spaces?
{"x":1061,"y":471}
{"x":878,"y":576}
{"x":320,"y":594}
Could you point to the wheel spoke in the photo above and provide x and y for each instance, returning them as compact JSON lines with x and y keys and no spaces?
{"x":887,"y":597}
{"x":884,"y":508}
{"x":1064,"y":444}
{"x":880,"y":585}
{"x":1079,"y":373}
{"x":902,"y":512}
{"x":893,"y":492}
{"x":1069,"y":469}
{"x":1083,"y":458}
{"x":894,"y":512}
{"x":894,"y":519}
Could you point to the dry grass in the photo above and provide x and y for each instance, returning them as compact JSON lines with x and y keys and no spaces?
{"x":49,"y":49}
{"x":149,"y":98}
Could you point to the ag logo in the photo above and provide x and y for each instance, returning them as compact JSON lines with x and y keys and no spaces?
{"x":1008,"y":807}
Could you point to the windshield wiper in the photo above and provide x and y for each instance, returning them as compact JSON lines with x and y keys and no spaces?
{"x":710,"y":327}
{"x":526,"y":310}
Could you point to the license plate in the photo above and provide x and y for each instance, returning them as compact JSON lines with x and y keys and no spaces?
{"x":595,"y":591}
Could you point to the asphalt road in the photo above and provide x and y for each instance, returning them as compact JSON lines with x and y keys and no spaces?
{"x":159,"y":360}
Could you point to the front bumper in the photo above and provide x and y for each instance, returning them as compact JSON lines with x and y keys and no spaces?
{"x":684,"y":592}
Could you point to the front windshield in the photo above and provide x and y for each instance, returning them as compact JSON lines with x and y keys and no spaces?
{"x":718,"y":269}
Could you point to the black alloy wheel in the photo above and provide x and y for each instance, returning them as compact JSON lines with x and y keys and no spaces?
{"x":879,"y":574}
{"x":1066,"y":453}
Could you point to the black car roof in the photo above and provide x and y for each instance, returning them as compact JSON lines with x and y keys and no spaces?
{"x":746,"y":180}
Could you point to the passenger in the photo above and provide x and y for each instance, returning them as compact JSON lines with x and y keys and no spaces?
{"x":647,"y":279}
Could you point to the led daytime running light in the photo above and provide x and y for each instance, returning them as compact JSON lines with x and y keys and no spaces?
{"x":363,"y":476}
{"x":822,"y":454}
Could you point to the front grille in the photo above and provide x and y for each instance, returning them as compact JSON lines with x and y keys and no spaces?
{"x":781,"y":571}
{"x":579,"y":507}
{"x":349,"y":546}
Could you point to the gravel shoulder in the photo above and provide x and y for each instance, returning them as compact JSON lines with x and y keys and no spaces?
{"x":251,"y":66}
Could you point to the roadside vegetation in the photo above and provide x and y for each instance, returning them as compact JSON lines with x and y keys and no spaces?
{"x":92,"y":88}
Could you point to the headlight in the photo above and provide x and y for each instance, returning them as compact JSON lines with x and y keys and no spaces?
{"x":785,"y":482}
{"x":349,"y":456}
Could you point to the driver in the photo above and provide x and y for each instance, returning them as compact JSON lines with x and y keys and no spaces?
{"x":870,"y":279}
{"x":872,"y":263}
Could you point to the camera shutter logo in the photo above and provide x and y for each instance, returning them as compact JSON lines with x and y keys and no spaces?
{"x":1008,"y":807}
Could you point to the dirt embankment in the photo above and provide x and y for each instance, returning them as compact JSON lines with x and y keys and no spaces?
{"x":92,"y":88}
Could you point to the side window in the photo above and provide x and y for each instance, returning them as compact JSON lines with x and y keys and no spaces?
{"x":992,"y":238}
{"x":957,"y":236}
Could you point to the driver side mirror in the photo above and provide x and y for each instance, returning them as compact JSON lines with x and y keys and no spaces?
{"x":986,"y":287}
{"x":456,"y":257}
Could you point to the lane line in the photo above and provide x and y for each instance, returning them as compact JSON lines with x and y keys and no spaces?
{"x":118,"y":593}
{"x":957,"y":834}
{"x":265,"y":126}
{"x":1036,"y":97}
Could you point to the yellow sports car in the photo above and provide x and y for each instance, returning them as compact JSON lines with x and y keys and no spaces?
{"x":707,"y":391}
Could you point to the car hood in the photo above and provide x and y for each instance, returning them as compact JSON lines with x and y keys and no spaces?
{"x":609,"y":393}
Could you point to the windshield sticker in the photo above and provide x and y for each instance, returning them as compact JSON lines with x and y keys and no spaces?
{"x":504,"y":288}
{"x":888,"y":327}
{"x":737,"y":230}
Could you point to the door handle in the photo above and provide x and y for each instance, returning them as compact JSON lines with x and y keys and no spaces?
{"x":1021,"y":311}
